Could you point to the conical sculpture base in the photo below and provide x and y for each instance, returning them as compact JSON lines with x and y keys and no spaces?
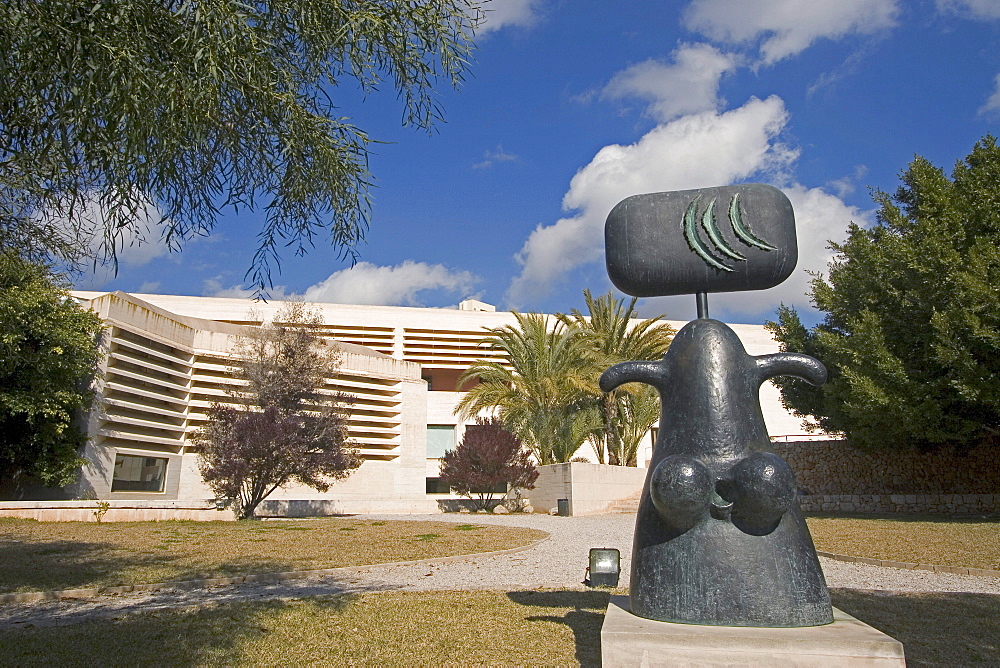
{"x":719,"y":538}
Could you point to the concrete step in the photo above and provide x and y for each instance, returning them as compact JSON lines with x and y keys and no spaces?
{"x":627,"y":506}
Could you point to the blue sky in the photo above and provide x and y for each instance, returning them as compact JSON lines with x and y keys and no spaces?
{"x":572,"y":106}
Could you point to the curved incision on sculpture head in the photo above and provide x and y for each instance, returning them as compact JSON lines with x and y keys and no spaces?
{"x":694,"y":241}
{"x":708,"y":224}
{"x":740,"y":228}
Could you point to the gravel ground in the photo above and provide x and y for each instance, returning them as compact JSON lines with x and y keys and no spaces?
{"x":558,"y":561}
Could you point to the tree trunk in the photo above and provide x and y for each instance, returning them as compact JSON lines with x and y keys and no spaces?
{"x":613,"y":442}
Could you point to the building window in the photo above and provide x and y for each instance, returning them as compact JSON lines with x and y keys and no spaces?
{"x":440,"y":437}
{"x":437,"y":486}
{"x":138,"y":474}
{"x":499,"y":488}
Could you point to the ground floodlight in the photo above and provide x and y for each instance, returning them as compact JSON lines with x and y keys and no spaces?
{"x":605,"y":566}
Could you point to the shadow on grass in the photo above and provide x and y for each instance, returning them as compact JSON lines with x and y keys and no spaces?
{"x":585,"y":619}
{"x":939,"y":629}
{"x":936,"y":629}
{"x":218,"y":635}
{"x":66,"y":564}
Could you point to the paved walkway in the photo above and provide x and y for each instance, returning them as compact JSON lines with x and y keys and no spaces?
{"x":558,"y":561}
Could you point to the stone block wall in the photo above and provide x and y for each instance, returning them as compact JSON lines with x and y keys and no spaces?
{"x":945,"y":504}
{"x":835,"y":477}
{"x":116,"y":511}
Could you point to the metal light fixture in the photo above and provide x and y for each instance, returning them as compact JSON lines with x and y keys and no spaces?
{"x":605,"y":566}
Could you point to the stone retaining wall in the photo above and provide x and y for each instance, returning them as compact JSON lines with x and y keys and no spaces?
{"x":945,"y":504}
{"x":115,"y":511}
{"x":834,"y":477}
{"x":834,"y":467}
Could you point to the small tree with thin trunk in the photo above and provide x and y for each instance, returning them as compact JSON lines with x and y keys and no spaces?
{"x":488,"y":457}
{"x":282,"y":425}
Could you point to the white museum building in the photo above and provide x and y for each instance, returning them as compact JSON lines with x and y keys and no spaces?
{"x":168,"y":359}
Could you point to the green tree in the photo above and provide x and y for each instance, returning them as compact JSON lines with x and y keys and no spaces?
{"x":196,"y":106}
{"x":283,"y":425}
{"x":911,"y":333}
{"x":612,"y":333}
{"x":50,"y":350}
{"x":542,"y":392}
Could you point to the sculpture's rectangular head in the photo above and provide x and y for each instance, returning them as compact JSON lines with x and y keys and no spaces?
{"x":707,"y":240}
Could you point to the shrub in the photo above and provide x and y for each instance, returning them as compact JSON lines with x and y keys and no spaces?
{"x":489,"y":457}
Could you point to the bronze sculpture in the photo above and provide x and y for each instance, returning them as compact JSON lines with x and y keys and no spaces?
{"x":719,"y":538}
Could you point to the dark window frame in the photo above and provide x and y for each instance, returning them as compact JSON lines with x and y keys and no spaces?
{"x":150,"y":465}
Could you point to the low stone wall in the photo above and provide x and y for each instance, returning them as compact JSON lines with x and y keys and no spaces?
{"x":334,"y":507}
{"x":117,"y":511}
{"x":835,"y":468}
{"x":834,"y":477}
{"x":590,"y":488}
{"x":944,"y":504}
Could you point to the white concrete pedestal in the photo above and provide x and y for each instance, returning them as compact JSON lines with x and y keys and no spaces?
{"x":628,"y":640}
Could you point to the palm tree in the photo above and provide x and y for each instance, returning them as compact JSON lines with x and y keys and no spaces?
{"x":611,"y":335}
{"x":637,"y":412}
{"x":542,"y":391}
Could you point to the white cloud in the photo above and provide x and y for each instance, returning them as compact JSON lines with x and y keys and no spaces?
{"x":978,"y":9}
{"x":212,"y":287}
{"x":700,"y":150}
{"x":788,"y":27}
{"x":688,"y":85}
{"x":149,"y":287}
{"x":820,"y":217}
{"x":366,"y":283}
{"x":992,"y":105}
{"x":846,"y":185}
{"x":139,"y":245}
{"x":501,"y":13}
{"x":491,"y":158}
{"x":135,"y":245}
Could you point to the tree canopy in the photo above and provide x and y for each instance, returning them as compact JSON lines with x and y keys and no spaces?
{"x":911,"y":332}
{"x":49,"y":353}
{"x":283,"y":425}
{"x":196,"y":106}
{"x":542,"y":392}
{"x":547,"y":391}
{"x":612,"y":333}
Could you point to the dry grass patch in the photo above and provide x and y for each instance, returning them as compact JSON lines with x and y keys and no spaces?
{"x":939,"y":629}
{"x":67,"y":555}
{"x":924,"y":540}
{"x":481,"y":628}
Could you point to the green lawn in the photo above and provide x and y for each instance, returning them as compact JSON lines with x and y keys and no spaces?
{"x":68,"y":555}
{"x":926,"y":539}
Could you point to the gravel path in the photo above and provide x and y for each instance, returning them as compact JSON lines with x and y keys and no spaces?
{"x":558,"y":561}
